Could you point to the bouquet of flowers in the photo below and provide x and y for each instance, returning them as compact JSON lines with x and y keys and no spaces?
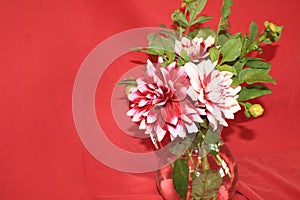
{"x":196,"y":79}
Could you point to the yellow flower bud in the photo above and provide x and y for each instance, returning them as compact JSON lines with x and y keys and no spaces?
{"x":256,"y":110}
{"x":272,"y":27}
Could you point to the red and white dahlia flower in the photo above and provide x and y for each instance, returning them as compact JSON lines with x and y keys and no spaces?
{"x":197,"y":49}
{"x":159,"y":102}
{"x":211,"y":89}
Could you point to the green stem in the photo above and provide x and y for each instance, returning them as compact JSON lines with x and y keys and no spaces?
{"x":243,"y":104}
{"x":205,"y":163}
{"x":262,"y":37}
{"x":190,"y":156}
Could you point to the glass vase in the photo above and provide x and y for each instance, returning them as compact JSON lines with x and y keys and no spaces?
{"x":221,"y":163}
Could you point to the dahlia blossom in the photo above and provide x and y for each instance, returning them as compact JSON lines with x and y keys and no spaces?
{"x":197,"y":49}
{"x":211,"y":90}
{"x":158,"y":102}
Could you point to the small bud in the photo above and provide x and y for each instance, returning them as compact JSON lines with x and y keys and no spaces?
{"x":273,"y":31}
{"x":275,"y":28}
{"x":256,"y":110}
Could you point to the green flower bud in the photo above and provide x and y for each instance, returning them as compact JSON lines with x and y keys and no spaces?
{"x":273,"y":32}
{"x":256,"y":110}
{"x":274,"y":28}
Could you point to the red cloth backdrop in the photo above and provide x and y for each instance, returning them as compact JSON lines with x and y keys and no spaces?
{"x":43,"y":44}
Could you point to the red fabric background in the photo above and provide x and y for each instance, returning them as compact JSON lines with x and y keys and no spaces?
{"x":42,"y":46}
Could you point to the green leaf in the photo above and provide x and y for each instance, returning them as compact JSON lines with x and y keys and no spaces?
{"x":259,"y":64}
{"x":211,"y":137}
{"x":239,"y":65}
{"x":201,"y":19}
{"x":227,"y":68}
{"x":128,"y":82}
{"x":169,"y":33}
{"x":183,"y":58}
{"x":181,"y":61}
{"x":222,"y":38}
{"x":236,"y":81}
{"x":231,"y":50}
{"x":214,"y":54}
{"x":155,"y":51}
{"x":253,"y":91}
{"x":245,"y":46}
{"x":235,"y":36}
{"x":170,"y":57}
{"x":179,"y":146}
{"x":180,"y":176}
{"x":179,"y":19}
{"x":184,"y":54}
{"x":159,"y":44}
{"x":223,"y":24}
{"x":205,"y":32}
{"x":251,"y":75}
{"x":195,"y":8}
{"x":163,"y":26}
{"x":251,"y":59}
{"x":207,"y":185}
{"x":253,"y":31}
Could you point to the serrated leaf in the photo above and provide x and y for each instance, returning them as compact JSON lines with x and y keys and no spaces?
{"x":231,"y":50}
{"x":207,"y":185}
{"x":180,"y":176}
{"x":259,"y":64}
{"x":195,"y":8}
{"x":214,"y":54}
{"x":253,"y":91}
{"x":227,"y":68}
{"x":251,"y":75}
{"x":253,"y":31}
{"x":179,"y":18}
